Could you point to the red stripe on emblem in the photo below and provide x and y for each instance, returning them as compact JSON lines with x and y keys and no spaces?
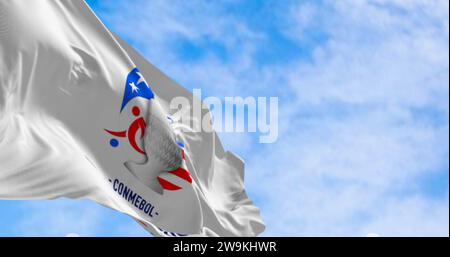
{"x":182,"y":173}
{"x":167,"y":185}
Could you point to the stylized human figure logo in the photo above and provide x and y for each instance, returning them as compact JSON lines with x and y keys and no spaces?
{"x":137,"y":125}
{"x":137,"y":87}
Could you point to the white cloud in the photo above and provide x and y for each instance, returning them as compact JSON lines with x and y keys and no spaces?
{"x":414,"y":216}
{"x":57,"y":218}
{"x":158,"y":27}
{"x":370,"y":119}
{"x":72,"y":218}
{"x":72,"y":235}
{"x":376,"y":54}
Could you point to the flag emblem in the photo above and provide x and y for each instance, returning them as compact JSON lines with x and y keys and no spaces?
{"x":135,"y":86}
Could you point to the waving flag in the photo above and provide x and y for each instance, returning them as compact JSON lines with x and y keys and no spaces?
{"x":82,"y":115}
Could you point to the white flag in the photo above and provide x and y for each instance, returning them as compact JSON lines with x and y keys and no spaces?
{"x":82,"y":115}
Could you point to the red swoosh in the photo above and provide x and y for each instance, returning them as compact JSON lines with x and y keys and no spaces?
{"x":167,"y":185}
{"x":182,"y":173}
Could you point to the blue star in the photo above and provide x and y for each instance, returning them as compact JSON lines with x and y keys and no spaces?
{"x":135,"y":86}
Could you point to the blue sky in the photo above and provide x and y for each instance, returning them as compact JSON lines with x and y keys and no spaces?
{"x":363,"y":90}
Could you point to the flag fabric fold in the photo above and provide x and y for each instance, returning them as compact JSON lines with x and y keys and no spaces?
{"x":83,"y":115}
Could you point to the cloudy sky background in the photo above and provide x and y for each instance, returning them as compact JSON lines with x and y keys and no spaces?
{"x":363,"y":91}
